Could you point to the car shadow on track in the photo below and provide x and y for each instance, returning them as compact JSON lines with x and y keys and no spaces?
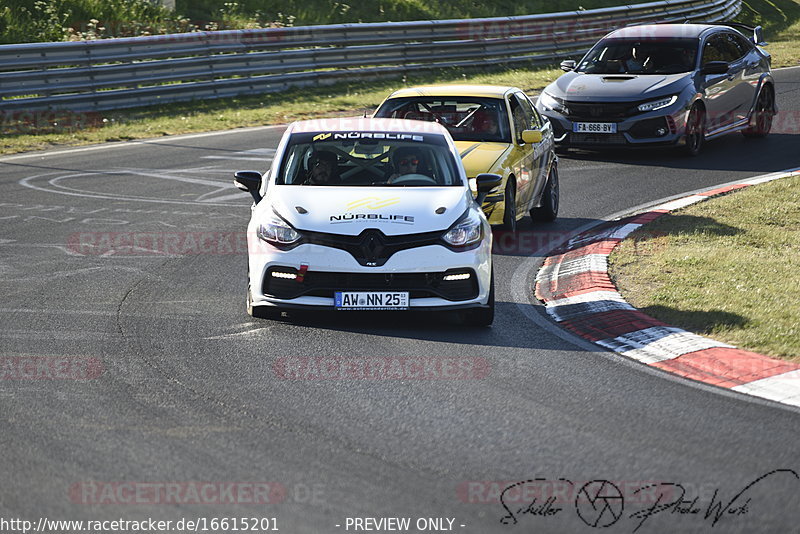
{"x":774,"y":153}
{"x":511,"y":327}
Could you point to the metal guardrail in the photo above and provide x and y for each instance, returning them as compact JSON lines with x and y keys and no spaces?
{"x":138,"y":71}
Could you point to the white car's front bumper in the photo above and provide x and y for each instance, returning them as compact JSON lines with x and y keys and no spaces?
{"x":417,"y":270}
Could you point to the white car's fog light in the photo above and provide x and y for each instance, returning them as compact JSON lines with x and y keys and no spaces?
{"x":453,"y":277}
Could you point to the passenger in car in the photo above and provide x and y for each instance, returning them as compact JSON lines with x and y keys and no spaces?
{"x":323,"y":169}
{"x":635,"y":62}
{"x":485,"y":122}
{"x":405,"y":160}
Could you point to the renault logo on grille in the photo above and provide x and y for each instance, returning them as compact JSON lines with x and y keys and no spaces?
{"x":372,"y":247}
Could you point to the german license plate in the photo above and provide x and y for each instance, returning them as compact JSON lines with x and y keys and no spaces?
{"x":595,"y":127}
{"x":371,"y":300}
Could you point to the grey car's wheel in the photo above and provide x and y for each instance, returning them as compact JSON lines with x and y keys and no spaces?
{"x":762,"y":114}
{"x":695,"y":130}
{"x":510,"y":206}
{"x":548,"y":211}
{"x":482,"y":316}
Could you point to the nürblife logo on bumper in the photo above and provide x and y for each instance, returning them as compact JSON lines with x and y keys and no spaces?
{"x":371,"y":203}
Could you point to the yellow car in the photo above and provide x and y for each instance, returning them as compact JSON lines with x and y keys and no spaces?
{"x":497,"y":130}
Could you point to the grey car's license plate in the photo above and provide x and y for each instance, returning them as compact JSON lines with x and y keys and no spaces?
{"x":595,"y":127}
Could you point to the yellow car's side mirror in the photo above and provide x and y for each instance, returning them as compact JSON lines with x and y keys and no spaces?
{"x":530,"y":137}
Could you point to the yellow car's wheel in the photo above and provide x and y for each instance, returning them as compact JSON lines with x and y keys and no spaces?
{"x":510,"y":206}
{"x":548,"y":211}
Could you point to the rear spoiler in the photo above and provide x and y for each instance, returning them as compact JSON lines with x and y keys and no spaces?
{"x":756,"y":32}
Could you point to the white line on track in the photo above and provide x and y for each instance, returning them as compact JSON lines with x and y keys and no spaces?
{"x":138,"y":143}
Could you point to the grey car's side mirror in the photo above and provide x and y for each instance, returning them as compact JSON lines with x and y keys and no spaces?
{"x":568,"y":65}
{"x":715,"y":67}
{"x":758,"y":36}
{"x":249,"y":181}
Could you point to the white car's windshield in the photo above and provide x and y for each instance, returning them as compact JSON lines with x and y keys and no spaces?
{"x":640,"y":56}
{"x":377,"y":159}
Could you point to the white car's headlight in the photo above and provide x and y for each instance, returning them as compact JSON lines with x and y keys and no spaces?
{"x":658,"y":104}
{"x":467,"y":231}
{"x":277,"y":232}
{"x":548,"y":101}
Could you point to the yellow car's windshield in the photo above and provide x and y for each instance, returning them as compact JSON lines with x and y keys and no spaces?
{"x":466,"y":118}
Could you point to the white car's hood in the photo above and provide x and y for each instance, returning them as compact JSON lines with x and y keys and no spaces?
{"x":351,"y":210}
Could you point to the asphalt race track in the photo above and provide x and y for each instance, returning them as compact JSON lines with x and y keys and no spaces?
{"x":163,"y":379}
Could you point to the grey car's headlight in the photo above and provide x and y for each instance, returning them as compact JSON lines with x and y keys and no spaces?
{"x":658,"y":104}
{"x":467,"y":231}
{"x":277,"y":232}
{"x":548,"y":101}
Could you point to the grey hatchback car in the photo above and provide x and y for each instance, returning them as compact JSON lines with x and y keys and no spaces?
{"x":663,"y":84}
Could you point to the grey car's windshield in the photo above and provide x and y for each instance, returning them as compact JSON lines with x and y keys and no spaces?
{"x":368,"y":159}
{"x":640,"y":56}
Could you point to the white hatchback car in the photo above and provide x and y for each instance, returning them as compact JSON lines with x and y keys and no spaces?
{"x":368,"y":214}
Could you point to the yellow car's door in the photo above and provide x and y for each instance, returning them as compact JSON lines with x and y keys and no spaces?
{"x":527,"y":157}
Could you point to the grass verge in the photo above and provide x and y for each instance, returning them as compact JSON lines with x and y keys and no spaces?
{"x":728,"y":268}
{"x":45,"y":130}
{"x":781,"y":22}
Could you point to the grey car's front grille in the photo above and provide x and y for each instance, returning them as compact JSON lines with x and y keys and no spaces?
{"x":597,"y":139}
{"x":593,"y":111}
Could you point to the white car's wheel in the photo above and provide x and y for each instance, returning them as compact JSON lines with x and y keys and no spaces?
{"x":482,"y":316}
{"x":260,"y":312}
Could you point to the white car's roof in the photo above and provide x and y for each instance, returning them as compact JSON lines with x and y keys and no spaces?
{"x":367,"y":124}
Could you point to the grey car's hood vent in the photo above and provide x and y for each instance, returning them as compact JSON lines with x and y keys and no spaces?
{"x":619,"y":87}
